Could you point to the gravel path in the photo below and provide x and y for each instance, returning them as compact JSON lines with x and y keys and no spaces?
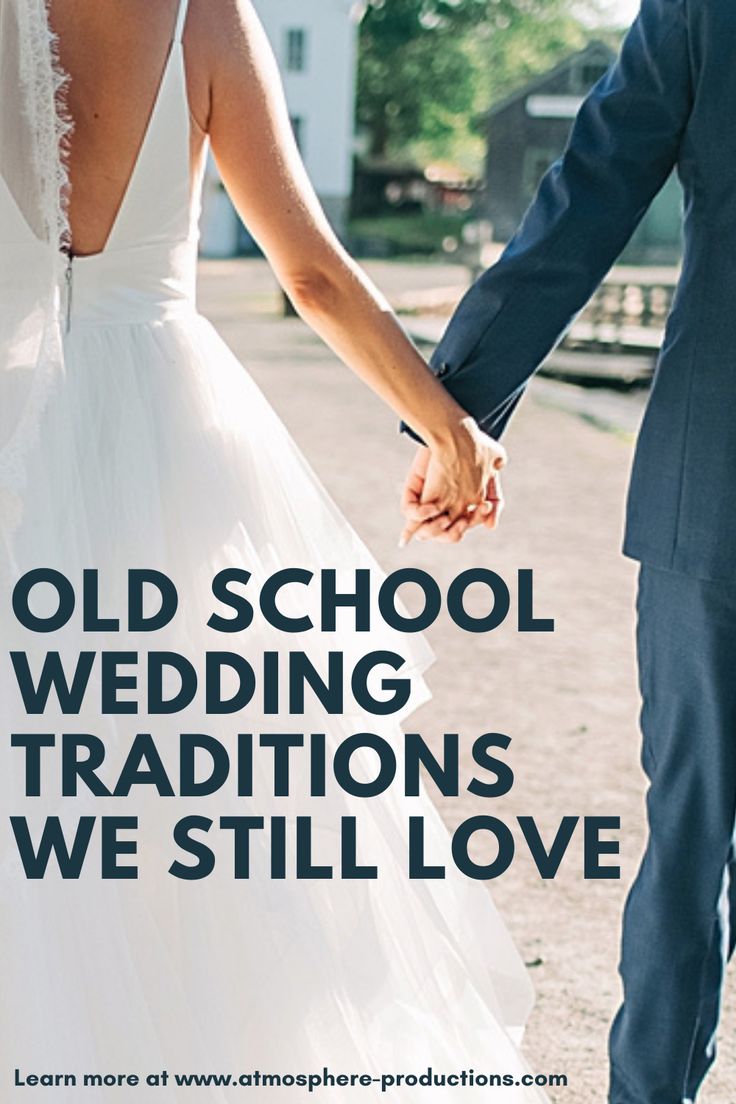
{"x":568,"y":700}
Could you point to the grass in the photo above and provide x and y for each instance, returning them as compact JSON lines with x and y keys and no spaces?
{"x":422,"y":234}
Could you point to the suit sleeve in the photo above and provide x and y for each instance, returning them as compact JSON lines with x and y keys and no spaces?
{"x":623,"y":145}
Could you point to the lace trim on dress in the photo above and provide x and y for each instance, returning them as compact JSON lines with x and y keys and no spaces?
{"x":46,"y":87}
{"x":43,"y":89}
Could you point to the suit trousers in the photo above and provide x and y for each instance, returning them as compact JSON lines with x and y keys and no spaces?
{"x":680,"y":916}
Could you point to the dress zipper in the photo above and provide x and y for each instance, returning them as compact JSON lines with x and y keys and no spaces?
{"x":68,"y":279}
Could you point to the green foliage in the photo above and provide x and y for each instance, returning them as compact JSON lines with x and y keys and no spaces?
{"x":513,"y":52}
{"x":419,"y":234}
{"x":415,"y":78}
{"x":429,"y":68}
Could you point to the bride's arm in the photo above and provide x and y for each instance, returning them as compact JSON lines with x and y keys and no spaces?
{"x":261,"y":168}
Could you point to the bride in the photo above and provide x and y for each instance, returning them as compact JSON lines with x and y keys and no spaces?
{"x":130,"y":437}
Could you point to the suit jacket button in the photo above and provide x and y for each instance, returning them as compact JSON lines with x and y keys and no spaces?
{"x":443,"y":368}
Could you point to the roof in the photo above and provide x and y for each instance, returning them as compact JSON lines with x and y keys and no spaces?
{"x":594,"y":49}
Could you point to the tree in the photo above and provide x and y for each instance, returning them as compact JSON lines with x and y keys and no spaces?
{"x":428,"y":68}
{"x":414,"y":71}
{"x":513,"y":50}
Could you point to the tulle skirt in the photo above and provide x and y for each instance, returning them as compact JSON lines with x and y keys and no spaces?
{"x":157,"y":451}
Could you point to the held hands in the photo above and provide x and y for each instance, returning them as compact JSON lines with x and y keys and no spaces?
{"x":453,"y":486}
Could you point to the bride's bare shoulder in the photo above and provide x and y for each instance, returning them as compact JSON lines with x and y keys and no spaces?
{"x":223,"y":24}
{"x":223,"y":32}
{"x":219,"y":40}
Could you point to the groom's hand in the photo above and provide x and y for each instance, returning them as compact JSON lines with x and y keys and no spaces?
{"x":425,"y":521}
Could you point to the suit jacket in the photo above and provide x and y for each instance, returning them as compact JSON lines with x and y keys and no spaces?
{"x":668,"y":101}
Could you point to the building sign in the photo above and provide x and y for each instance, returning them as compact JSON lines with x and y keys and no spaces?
{"x":553,"y":107}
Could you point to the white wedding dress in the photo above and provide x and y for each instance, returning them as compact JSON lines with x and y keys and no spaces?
{"x":155,"y":449}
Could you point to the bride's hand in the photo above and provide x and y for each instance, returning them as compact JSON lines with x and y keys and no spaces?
{"x":453,"y":486}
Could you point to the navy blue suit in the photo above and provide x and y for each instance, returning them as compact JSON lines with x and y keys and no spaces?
{"x":668,"y":102}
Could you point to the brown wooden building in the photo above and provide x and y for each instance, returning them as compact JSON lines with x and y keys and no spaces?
{"x":527,"y":132}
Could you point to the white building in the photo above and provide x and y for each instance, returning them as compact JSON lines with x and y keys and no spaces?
{"x":316,"y":45}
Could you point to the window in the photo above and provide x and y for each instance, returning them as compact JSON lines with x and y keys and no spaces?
{"x":591,"y":74}
{"x":296,"y":50}
{"x":536,"y":163}
{"x":586,"y":74}
{"x":298,"y":125}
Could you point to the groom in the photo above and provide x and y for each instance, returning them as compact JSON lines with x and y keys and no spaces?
{"x":669,"y":101}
